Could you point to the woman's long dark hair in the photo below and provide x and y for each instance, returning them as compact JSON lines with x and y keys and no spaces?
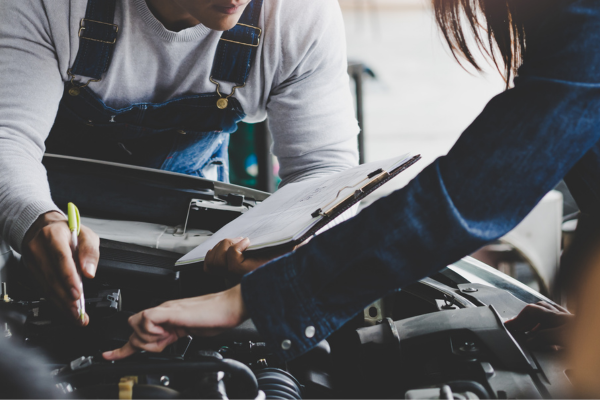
{"x":497,"y":26}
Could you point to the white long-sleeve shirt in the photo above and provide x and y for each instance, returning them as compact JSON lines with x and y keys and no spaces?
{"x":298,"y":78}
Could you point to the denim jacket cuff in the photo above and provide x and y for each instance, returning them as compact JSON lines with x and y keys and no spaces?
{"x":286,"y":318}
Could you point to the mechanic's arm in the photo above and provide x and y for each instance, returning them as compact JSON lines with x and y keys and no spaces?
{"x":158,"y":327}
{"x":310,"y":106}
{"x":30,"y":90}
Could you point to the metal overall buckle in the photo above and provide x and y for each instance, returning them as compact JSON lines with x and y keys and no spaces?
{"x":223,"y":102}
{"x":74,"y":90}
{"x":82,"y":27}
{"x":247,"y":44}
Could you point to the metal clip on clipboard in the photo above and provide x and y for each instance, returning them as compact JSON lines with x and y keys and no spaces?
{"x":374,"y":178}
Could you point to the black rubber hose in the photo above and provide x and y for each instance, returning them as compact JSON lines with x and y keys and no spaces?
{"x":278,"y":384}
{"x":245,"y":385}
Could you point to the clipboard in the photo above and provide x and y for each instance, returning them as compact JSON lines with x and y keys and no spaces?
{"x":298,"y":211}
{"x":334,"y":209}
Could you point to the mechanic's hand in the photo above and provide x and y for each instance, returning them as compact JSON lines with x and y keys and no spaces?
{"x":47,"y":254}
{"x":544,"y":324}
{"x":227,"y":258}
{"x":156,"y":328}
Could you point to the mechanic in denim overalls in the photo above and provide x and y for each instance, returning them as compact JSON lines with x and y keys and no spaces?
{"x":189,"y":134}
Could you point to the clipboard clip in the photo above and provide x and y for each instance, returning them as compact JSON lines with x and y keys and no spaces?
{"x":378,"y":173}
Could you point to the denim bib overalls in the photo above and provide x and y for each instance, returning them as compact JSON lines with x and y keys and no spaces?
{"x":188,"y":134}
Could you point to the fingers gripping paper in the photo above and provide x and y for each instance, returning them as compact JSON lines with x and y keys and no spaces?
{"x":298,"y":210}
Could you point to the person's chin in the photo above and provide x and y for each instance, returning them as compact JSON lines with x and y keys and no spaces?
{"x":224,"y":23}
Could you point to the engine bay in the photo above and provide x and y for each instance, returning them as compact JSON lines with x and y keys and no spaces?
{"x":442,"y":337}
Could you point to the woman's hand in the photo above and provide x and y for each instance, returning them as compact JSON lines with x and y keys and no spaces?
{"x":47,"y":254}
{"x":227,"y":258}
{"x":156,"y":328}
{"x":544,"y":324}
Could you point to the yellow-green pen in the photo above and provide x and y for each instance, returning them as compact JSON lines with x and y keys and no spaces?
{"x":75,"y":227}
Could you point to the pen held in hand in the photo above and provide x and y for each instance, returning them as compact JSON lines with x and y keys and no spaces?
{"x":75,"y":227}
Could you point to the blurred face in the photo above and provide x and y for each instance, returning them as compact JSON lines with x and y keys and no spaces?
{"x":219,"y":15}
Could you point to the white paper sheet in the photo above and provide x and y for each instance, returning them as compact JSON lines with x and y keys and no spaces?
{"x":286,"y":215}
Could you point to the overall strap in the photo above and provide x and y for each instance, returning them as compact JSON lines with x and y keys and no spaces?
{"x":97,"y":38}
{"x":237,"y":48}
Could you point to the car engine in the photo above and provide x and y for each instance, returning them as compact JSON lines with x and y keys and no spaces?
{"x":440,"y":338}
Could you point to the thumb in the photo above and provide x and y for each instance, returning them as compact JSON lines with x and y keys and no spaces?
{"x":235,"y":256}
{"x":242,"y":245}
{"x":88,"y":251}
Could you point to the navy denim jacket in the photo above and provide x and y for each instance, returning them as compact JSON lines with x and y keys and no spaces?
{"x":524,"y":142}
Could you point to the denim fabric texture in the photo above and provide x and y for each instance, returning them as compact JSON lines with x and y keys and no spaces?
{"x":186,"y":135}
{"x":98,"y":36}
{"x":523,"y":143}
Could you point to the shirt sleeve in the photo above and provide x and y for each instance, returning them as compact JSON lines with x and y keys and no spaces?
{"x":522,"y":144}
{"x":310,"y":109}
{"x":30,"y":91}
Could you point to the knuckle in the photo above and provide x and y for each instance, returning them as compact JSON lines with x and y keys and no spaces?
{"x":135,"y":342}
{"x":90,"y":250}
{"x":91,"y":239}
{"x":139,"y":342}
{"x":47,"y":232}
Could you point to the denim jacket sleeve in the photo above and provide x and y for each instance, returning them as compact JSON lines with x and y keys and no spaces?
{"x":522,"y":144}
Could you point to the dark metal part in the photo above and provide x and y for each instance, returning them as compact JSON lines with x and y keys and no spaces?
{"x":507,"y":305}
{"x":264,"y":158}
{"x":483,"y":322}
{"x":447,"y":291}
{"x":81,"y":363}
{"x":246,"y":384}
{"x":236,"y":200}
